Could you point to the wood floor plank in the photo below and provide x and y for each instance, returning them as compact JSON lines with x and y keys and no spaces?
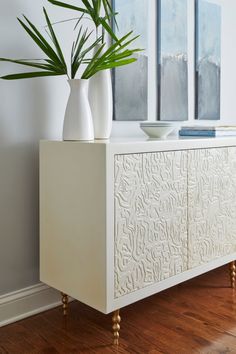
{"x":196,"y":317}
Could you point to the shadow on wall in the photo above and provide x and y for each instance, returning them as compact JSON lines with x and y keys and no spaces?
{"x":26,"y":111}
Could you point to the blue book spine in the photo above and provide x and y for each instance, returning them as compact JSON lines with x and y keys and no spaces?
{"x":188,"y":132}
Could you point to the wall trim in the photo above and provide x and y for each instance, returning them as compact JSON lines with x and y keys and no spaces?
{"x":27,"y":302}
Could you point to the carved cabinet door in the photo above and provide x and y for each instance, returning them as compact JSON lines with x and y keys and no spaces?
{"x":150,"y":219}
{"x":211,"y":204}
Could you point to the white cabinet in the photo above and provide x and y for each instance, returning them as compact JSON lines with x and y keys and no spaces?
{"x":122,"y":220}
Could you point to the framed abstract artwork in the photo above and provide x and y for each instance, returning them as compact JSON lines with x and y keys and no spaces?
{"x":130,"y":83}
{"x":172,"y":60}
{"x":208,"y":60}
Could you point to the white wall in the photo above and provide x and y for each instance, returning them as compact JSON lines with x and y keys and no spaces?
{"x":31,"y":110}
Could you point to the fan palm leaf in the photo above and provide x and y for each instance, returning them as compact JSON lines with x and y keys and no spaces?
{"x":93,"y":9}
{"x":116,"y":55}
{"x":54,"y":64}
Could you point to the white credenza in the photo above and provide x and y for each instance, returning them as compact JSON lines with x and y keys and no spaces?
{"x":125,"y":219}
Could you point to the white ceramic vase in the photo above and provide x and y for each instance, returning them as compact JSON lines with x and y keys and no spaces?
{"x":101,"y":103}
{"x":78,"y":122}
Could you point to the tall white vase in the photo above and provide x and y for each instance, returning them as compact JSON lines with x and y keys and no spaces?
{"x":101,"y":102}
{"x":78,"y":122}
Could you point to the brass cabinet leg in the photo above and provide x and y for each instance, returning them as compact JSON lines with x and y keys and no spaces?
{"x":116,"y":319}
{"x":64,"y":303}
{"x":232,"y":268}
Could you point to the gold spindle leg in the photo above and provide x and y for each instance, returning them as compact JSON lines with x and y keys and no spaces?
{"x":233,"y":274}
{"x":116,"y":319}
{"x":64,"y":303}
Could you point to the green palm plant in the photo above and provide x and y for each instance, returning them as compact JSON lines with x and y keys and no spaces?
{"x":93,"y":8}
{"x":54,"y":64}
{"x":117,"y":54}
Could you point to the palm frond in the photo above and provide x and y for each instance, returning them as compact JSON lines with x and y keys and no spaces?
{"x":39,"y":40}
{"x":115,"y":64}
{"x":108,"y":28}
{"x":93,"y":9}
{"x":37,"y":65}
{"x":116,"y":55}
{"x":54,"y":39}
{"x":53,"y":64}
{"x":68,"y":6}
{"x":29,"y":75}
{"x":110,"y":14}
{"x":91,"y":63}
{"x":92,"y":12}
{"x":80,"y":50}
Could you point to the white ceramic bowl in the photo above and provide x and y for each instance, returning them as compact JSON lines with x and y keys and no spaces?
{"x":158,"y":129}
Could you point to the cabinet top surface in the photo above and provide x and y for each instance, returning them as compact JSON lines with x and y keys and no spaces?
{"x":122,"y":145}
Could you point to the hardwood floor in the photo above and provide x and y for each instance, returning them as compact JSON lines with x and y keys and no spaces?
{"x":198,"y":316}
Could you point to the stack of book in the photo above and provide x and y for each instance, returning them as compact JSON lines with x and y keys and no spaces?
{"x":208,"y":131}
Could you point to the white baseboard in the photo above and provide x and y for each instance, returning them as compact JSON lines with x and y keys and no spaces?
{"x":27,"y":302}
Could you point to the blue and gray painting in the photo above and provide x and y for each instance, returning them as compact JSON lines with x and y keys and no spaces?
{"x":208,"y":60}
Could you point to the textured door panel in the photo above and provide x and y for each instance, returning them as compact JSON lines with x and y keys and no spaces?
{"x":150,"y":219}
{"x":212,"y":204}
